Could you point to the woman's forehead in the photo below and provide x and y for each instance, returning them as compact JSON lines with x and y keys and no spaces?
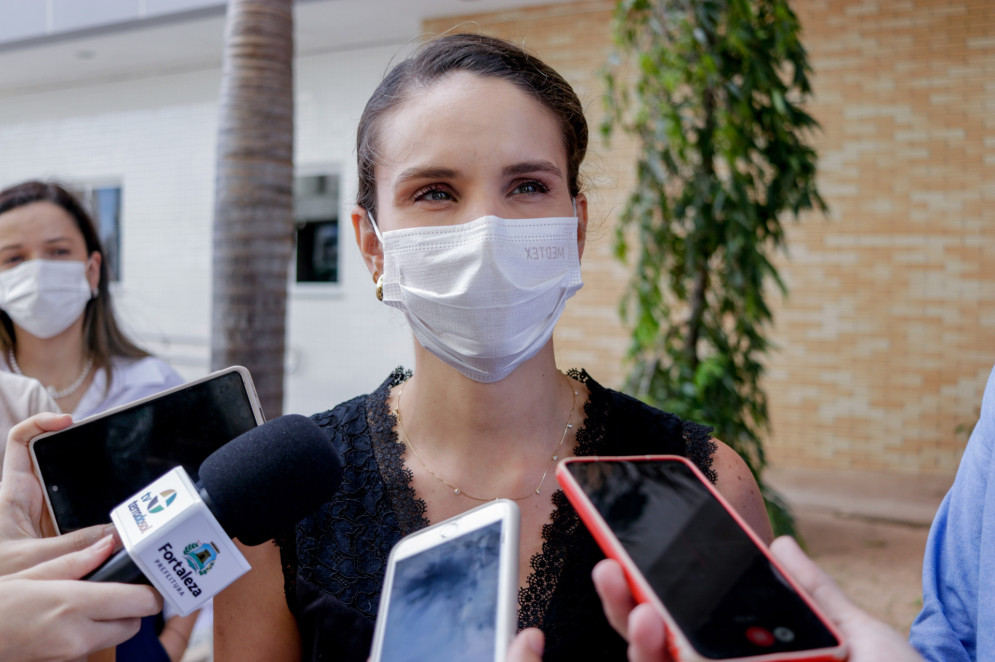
{"x":468,"y":121}
{"x":43,"y":219}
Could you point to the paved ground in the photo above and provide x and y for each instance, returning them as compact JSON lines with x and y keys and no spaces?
{"x":877,"y":564}
{"x":868,"y":531}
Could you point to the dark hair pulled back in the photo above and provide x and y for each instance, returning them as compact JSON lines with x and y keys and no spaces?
{"x":484,"y":56}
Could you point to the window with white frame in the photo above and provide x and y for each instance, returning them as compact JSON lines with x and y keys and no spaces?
{"x":104,"y":205}
{"x":316,"y":218}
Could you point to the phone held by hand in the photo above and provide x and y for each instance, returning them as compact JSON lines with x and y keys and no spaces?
{"x":689,"y":554}
{"x":451,"y":590}
{"x":93,"y":465}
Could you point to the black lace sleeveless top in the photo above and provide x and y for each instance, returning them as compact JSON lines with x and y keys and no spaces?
{"x":335,"y":560}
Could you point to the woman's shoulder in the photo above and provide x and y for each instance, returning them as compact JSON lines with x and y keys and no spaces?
{"x":346,"y":419}
{"x":148,"y":370}
{"x":131,"y":379}
{"x":632,"y":427}
{"x":620,"y":424}
{"x":341,"y":549}
{"x":350,"y":417}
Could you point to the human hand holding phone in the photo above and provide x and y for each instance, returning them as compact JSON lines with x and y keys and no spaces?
{"x":23,"y":515}
{"x":868,"y":640}
{"x":24,"y":519}
{"x":88,"y":468}
{"x":639,"y":624}
{"x":700,"y":569}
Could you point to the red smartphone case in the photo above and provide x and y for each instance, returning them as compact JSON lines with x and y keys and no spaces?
{"x":678,"y":645}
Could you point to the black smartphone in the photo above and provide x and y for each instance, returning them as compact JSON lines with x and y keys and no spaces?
{"x":90,"y":467}
{"x":688,"y":553}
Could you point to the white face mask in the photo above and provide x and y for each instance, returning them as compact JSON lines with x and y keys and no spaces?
{"x":482,"y":296}
{"x":44,"y":297}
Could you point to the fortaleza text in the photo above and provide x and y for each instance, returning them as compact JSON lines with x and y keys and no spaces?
{"x":182,"y":574}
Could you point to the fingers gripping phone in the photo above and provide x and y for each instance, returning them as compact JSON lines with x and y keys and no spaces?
{"x":93,"y":465}
{"x":687,"y":552}
{"x":451,"y":589}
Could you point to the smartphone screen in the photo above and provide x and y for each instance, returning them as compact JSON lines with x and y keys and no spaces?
{"x":451,"y":589}
{"x":722,"y":591}
{"x":90,"y":468}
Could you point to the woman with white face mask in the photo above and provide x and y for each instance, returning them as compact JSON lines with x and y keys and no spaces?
{"x":57,"y":325}
{"x":56,"y":320}
{"x":472,"y":223}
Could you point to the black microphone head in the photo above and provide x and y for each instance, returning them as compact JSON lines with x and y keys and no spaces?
{"x":267,"y":479}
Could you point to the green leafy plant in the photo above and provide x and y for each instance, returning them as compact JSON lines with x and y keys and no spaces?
{"x":713,"y":92}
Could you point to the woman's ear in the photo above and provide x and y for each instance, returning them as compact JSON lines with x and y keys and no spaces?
{"x":367,"y":240}
{"x":93,"y":270}
{"x":581,"y":205}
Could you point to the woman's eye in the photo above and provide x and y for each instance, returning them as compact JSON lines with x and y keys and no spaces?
{"x":433,"y":195}
{"x":10,"y":260}
{"x":531,"y":187}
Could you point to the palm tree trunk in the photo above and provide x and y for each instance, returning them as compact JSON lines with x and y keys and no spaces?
{"x":253,"y":212}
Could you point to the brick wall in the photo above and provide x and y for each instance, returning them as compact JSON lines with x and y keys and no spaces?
{"x":887,"y":336}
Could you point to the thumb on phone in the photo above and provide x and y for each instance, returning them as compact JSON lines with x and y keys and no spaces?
{"x":16,"y":457}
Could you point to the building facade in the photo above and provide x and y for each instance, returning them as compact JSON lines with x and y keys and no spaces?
{"x":884,"y":341}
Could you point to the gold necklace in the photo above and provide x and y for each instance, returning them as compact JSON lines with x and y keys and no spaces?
{"x":457,"y":491}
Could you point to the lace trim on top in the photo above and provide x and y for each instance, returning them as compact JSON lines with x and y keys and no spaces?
{"x":389,"y":452}
{"x":564,"y":530}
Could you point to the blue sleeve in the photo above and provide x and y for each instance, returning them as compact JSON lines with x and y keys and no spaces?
{"x":957,"y":621}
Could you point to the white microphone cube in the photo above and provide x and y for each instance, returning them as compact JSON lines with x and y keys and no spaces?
{"x":178,"y":544}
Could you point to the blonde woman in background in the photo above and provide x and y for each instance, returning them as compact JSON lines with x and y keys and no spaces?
{"x":57,"y":325}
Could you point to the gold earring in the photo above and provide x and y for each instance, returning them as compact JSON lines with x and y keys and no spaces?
{"x":380,"y":288}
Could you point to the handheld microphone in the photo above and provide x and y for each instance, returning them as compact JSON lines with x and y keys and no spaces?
{"x":176,"y":534}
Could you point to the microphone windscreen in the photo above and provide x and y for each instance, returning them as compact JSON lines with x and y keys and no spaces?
{"x":266,"y":480}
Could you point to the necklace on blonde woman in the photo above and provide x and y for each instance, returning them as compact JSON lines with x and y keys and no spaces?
{"x":460,"y":492}
{"x":56,"y":394}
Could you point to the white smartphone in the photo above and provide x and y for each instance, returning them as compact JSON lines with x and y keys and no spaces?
{"x":687,"y":552}
{"x":451,"y":590}
{"x":93,"y":465}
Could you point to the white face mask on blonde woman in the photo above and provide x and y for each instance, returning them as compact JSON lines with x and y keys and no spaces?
{"x":44,"y":297}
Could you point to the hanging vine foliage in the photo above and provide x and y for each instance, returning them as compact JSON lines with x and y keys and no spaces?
{"x":713,"y":90}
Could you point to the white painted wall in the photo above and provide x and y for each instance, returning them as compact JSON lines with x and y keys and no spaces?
{"x":156,"y":136}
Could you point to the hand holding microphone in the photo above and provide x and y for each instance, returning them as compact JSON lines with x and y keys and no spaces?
{"x":177,"y":534}
{"x":258,"y":485}
{"x":45,"y":614}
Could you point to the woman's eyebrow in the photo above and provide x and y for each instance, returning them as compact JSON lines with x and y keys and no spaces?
{"x":428,"y":172}
{"x":532,"y":166}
